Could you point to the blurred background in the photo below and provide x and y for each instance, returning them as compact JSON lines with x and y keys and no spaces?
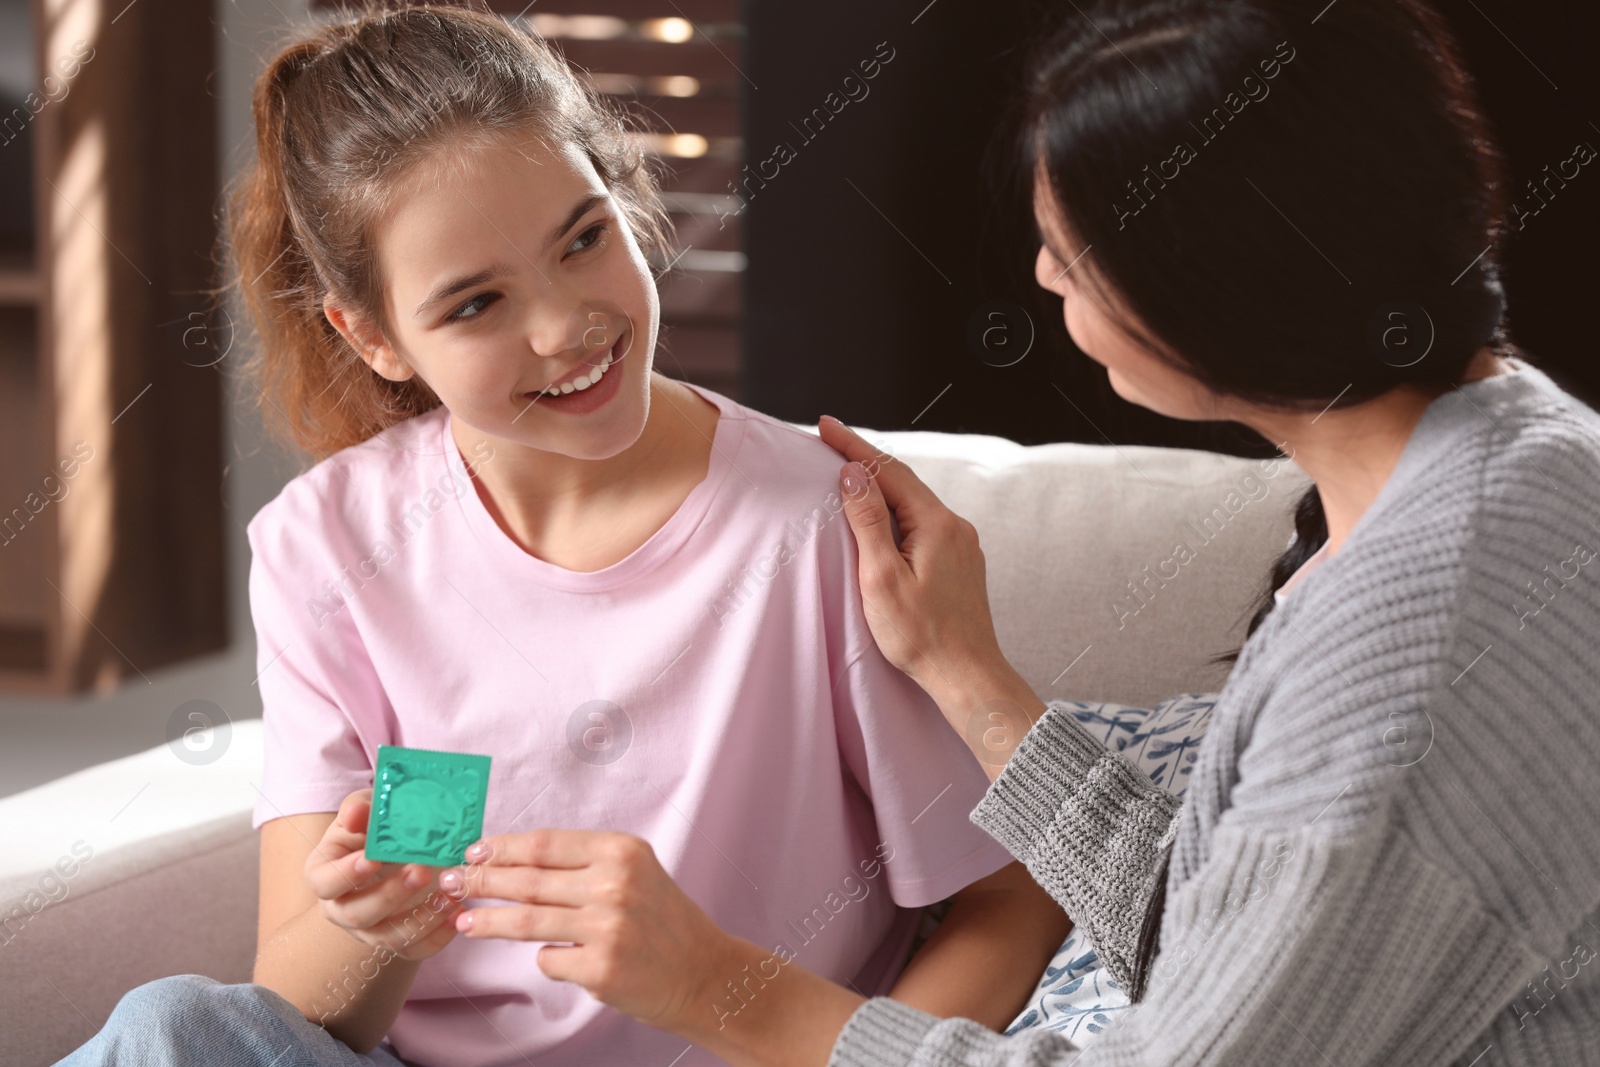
{"x":858,"y":248}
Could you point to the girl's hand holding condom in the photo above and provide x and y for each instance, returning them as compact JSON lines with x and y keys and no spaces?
{"x":624,"y":929}
{"x":386,"y":905}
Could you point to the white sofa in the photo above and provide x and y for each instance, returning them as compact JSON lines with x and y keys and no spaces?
{"x":146,"y":866}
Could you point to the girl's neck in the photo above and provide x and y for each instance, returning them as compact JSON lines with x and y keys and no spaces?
{"x":1351,"y":452}
{"x":553,"y":504}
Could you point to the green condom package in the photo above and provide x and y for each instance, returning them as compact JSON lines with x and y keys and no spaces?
{"x":427,"y":806}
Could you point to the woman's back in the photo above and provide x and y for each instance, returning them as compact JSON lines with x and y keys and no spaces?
{"x":1397,"y":787}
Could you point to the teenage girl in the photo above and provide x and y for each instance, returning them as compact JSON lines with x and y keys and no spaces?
{"x":637,"y":596}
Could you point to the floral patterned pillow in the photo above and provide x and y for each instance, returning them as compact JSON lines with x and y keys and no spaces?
{"x":1076,"y":997}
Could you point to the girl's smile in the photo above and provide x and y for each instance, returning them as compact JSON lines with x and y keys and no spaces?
{"x":590,"y":386}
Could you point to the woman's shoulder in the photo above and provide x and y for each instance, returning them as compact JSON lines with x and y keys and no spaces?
{"x":1544,"y":443}
{"x":1514,"y":478}
{"x":1497,"y":473}
{"x":1523,"y":408}
{"x":1490,"y":515}
{"x":323,"y":501}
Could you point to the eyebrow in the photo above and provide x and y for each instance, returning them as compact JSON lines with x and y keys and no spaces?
{"x":501,"y":269}
{"x":451,"y":288}
{"x":579,"y":210}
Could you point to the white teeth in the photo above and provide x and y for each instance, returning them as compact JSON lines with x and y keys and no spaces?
{"x":577,"y":385}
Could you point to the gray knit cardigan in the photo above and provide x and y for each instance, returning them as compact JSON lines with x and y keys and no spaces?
{"x":1389,"y":852}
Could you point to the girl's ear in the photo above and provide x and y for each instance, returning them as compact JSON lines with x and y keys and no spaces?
{"x":367,"y":342}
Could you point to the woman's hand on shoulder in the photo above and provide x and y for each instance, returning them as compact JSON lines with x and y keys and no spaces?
{"x":927,"y":598}
{"x":386,"y":905}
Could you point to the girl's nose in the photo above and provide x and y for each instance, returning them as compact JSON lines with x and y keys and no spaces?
{"x":558,"y":327}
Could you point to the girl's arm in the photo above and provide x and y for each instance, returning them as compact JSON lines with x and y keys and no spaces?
{"x":987,"y":954}
{"x":353,"y":988}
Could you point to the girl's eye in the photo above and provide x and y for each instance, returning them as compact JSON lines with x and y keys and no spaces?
{"x":589,"y":238}
{"x":481,"y":301}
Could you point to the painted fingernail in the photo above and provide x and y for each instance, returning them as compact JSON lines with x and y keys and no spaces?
{"x":450,"y":881}
{"x":477,"y":851}
{"x":464,"y":922}
{"x":855,"y":479}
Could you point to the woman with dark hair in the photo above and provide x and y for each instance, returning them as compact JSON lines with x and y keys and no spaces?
{"x":1292,"y":218}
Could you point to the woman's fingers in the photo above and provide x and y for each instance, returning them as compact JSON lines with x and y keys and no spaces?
{"x":527,"y":885}
{"x":629,"y":935}
{"x":525,"y":922}
{"x":541,"y":848}
{"x":865,"y":509}
{"x":902,"y":489}
{"x":562,"y":963}
{"x":443,"y":931}
{"x":348,"y":831}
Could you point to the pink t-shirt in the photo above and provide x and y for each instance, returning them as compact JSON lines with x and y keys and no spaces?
{"x":717,"y":692}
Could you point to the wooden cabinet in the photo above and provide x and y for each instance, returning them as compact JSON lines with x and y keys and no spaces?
{"x":111,"y":487}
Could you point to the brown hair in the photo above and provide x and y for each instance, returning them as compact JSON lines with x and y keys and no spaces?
{"x":342,"y":116}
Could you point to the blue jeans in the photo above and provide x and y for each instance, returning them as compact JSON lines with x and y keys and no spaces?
{"x":189,"y":1020}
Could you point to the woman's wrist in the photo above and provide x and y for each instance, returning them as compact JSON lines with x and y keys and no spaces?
{"x":760,"y":1007}
{"x":989,"y":705}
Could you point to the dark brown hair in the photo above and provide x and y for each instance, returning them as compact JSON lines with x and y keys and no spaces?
{"x":1359,"y":128}
{"x":343,"y":115}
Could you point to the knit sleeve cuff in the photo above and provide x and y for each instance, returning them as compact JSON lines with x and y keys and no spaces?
{"x":881,"y":1033}
{"x":1091,"y":828}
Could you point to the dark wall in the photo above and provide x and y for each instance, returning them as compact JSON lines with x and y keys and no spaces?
{"x":891,"y":254}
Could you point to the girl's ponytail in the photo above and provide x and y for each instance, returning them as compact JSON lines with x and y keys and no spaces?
{"x":302,"y":371}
